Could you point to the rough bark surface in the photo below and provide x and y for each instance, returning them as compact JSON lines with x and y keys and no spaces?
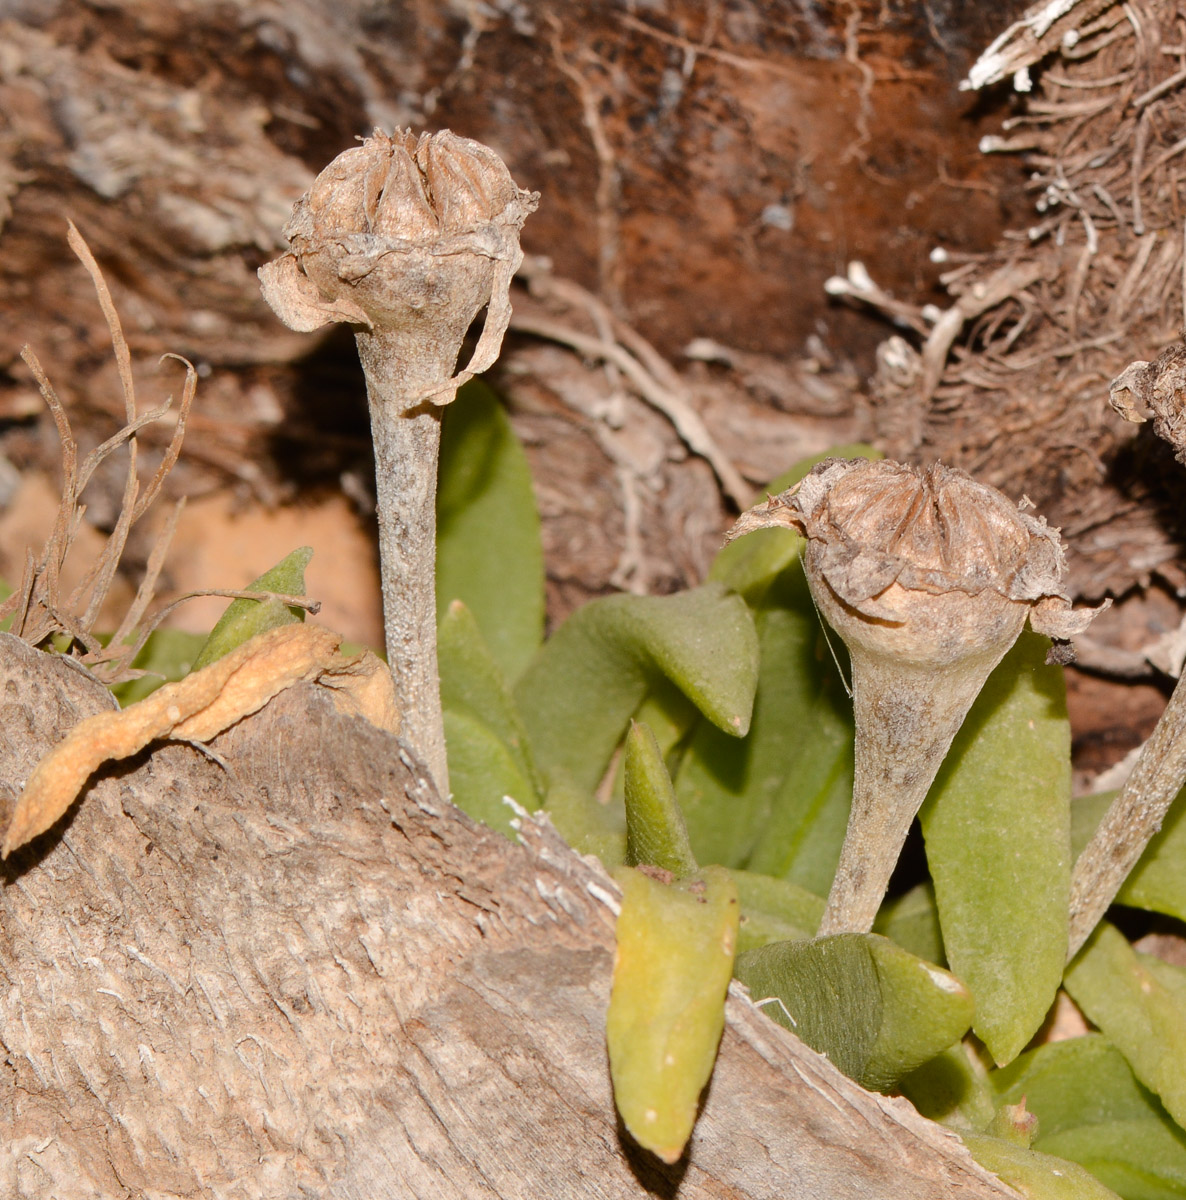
{"x":293,"y":971}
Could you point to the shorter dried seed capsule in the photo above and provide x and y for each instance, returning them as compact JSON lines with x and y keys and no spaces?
{"x":928,"y":577}
{"x":1142,"y":390}
{"x":1155,"y":389}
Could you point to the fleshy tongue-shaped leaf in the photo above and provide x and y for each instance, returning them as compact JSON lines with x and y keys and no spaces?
{"x":243,"y":619}
{"x":997,"y":830}
{"x":674,"y":960}
{"x":579,"y":692}
{"x":874,"y":1009}
{"x":655,"y":829}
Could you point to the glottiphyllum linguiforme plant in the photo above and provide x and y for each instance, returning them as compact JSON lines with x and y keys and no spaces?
{"x":407,"y":239}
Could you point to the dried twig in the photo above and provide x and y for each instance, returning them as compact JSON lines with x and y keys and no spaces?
{"x":651,"y":376}
{"x":38,"y":608}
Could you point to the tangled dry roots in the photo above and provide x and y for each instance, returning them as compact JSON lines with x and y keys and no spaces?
{"x":1011,"y":382}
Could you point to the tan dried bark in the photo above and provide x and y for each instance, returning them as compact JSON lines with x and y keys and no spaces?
{"x":301,"y":973}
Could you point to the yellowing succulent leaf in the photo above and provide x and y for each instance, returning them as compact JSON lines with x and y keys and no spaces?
{"x":676,"y":942}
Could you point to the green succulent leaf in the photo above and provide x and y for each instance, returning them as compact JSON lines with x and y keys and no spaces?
{"x":667,"y":1009}
{"x":485,"y":740}
{"x":1138,"y":1160}
{"x":489,"y":751}
{"x":1139,"y":1003}
{"x":167,"y":655}
{"x":581,"y":689}
{"x":1035,"y":1175}
{"x":912,"y":921}
{"x":1158,"y":882}
{"x":245,"y":619}
{"x":586,"y":824}
{"x":750,"y":564}
{"x":669,"y":715}
{"x":997,"y":830}
{"x":774,"y":910}
{"x":1092,"y":1110}
{"x":873,"y":1008}
{"x":778,"y":801}
{"x":825,"y":991}
{"x":655,"y":830}
{"x":953,"y":1089}
{"x":925,"y":1010}
{"x":488,"y":533}
{"x":483,"y":772}
{"x":1079,"y":1081}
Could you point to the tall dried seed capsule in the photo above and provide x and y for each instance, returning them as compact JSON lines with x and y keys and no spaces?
{"x":928,"y":577}
{"x":408,"y":239}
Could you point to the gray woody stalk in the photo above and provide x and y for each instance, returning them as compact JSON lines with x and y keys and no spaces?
{"x":928,"y":577}
{"x":1143,"y":390}
{"x":407,"y":239}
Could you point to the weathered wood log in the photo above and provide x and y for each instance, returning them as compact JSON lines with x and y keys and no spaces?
{"x":287,"y":968}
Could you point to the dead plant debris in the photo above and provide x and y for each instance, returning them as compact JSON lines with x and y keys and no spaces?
{"x":41,"y":610}
{"x":198,"y":707}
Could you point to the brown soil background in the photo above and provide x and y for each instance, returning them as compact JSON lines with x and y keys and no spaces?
{"x":704,"y":168}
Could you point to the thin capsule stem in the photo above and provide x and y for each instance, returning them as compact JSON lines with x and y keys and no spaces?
{"x":1130,"y":822}
{"x":406,"y":432}
{"x":906,"y":719}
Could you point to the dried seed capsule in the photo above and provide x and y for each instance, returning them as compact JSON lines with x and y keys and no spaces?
{"x":1142,"y":390}
{"x":407,"y":239}
{"x":411,"y":236}
{"x":928,"y":577}
{"x":1155,"y":389}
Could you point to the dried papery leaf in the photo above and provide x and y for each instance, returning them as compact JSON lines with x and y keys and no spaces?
{"x":194,"y":709}
{"x":299,"y":302}
{"x":46,"y":571}
{"x":362,"y":686}
{"x":123,"y":356}
{"x":152,"y":570}
{"x":17,"y":605}
{"x":173,"y":451}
